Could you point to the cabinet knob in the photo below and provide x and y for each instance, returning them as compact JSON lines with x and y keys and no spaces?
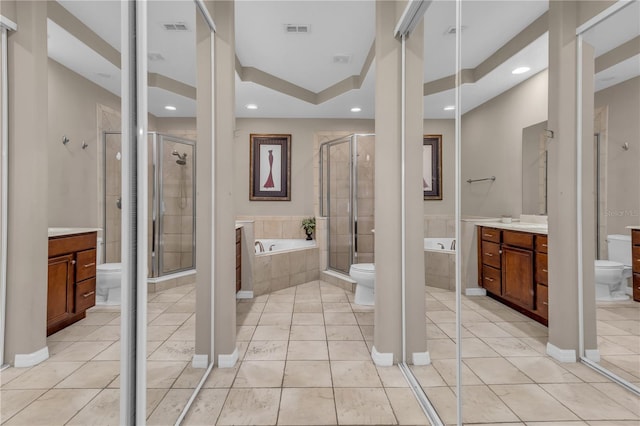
{"x":545,"y":303}
{"x":73,"y":262}
{"x":544,"y":270}
{"x":488,"y":254}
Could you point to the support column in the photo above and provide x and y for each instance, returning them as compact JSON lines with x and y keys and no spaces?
{"x":27,"y":250}
{"x":388,"y":200}
{"x":215,"y":263}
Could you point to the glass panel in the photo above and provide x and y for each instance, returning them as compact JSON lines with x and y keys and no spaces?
{"x":112,"y":197}
{"x":339,"y":219}
{"x":364,"y":209}
{"x":612,"y":161}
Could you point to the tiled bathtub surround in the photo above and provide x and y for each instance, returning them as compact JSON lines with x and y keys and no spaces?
{"x":439,"y":226}
{"x":277,"y":271}
{"x":440,"y":270}
{"x":288,"y":227}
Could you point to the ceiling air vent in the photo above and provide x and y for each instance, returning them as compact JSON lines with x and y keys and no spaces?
{"x":297,"y":29}
{"x":341,"y":59}
{"x":175,"y":26}
{"x":155,"y":57}
{"x":452,"y":30}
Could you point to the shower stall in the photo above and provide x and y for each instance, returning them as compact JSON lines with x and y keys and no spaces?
{"x":171,"y":168}
{"x":347,"y":199}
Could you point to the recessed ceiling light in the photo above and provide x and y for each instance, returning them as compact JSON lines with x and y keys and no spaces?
{"x":356,"y":109}
{"x":170,"y":108}
{"x":520,"y":70}
{"x":252,"y":106}
{"x":449,"y":108}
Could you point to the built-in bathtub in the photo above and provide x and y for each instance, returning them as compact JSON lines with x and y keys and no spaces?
{"x":284,"y":263}
{"x":440,"y":263}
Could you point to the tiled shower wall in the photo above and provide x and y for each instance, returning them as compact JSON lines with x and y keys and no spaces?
{"x":287,"y":227}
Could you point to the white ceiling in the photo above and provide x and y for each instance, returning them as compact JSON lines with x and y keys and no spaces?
{"x":337,"y":28}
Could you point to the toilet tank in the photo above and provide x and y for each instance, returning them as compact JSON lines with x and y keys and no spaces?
{"x":619,"y":247}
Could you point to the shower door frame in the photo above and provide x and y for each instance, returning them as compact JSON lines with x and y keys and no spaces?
{"x":156,"y":263}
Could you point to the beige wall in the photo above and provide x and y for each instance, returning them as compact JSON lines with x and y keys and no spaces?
{"x":623,"y":167}
{"x":496,"y":149}
{"x":446,"y":206}
{"x":73,"y":178}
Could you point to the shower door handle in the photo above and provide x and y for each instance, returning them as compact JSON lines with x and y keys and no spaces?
{"x":119,"y":203}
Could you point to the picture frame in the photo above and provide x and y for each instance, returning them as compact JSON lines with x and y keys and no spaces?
{"x":269,"y":167}
{"x":432,"y":167}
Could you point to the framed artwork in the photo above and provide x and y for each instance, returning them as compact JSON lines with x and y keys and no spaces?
{"x":269,"y":167}
{"x":432,"y":167}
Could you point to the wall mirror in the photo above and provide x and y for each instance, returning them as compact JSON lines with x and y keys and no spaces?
{"x":534,"y":169}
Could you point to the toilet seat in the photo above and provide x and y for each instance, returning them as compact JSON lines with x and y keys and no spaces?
{"x":363,"y":267}
{"x":109,"y":267}
{"x":608,"y":264}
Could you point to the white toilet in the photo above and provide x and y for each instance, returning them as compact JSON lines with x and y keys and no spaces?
{"x":612,"y":274}
{"x":364,"y":275}
{"x":108,"y":280}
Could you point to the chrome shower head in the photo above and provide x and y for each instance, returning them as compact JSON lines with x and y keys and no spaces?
{"x":182,"y":158}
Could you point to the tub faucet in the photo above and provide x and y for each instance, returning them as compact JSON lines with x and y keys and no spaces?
{"x":453,"y":245}
{"x":260,"y":246}
{"x":271,"y":247}
{"x":441,"y":245}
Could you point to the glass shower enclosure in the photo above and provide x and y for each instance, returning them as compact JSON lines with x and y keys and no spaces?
{"x":171,"y":202}
{"x":347,"y":199}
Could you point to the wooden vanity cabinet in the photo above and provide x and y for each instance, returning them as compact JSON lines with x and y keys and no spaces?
{"x":238,"y":259}
{"x":489,"y":260}
{"x":635,"y":260}
{"x":71,"y":279}
{"x":542,"y":279}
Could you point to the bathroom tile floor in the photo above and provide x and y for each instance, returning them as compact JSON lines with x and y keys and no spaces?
{"x":304,"y":359}
{"x":507,"y":377}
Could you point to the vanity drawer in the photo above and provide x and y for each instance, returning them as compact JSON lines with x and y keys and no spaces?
{"x":541,"y":243}
{"x":491,"y":280}
{"x":85,"y":265}
{"x":636,"y":287}
{"x":542,"y":301}
{"x":635,"y":258}
{"x":635,"y":237}
{"x":490,"y":234}
{"x":542,"y":273}
{"x":491,"y":254}
{"x":518,"y":239}
{"x":85,"y":295}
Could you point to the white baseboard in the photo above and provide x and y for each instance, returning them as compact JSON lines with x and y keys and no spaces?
{"x":421,"y":358}
{"x":475,"y":291}
{"x":200,"y":361}
{"x":29,"y":360}
{"x":381,"y":359}
{"x":228,"y":360}
{"x":562,"y":355}
{"x":592,"y":354}
{"x":244,"y":294}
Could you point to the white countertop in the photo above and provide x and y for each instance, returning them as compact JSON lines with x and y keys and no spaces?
{"x":634,"y":227}
{"x":59,"y":232}
{"x":534,"y":228}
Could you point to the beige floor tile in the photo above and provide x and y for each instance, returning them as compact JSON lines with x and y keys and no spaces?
{"x":103,"y":410}
{"x":496,"y":371}
{"x":170,"y":319}
{"x":486,"y":329}
{"x":364,"y":318}
{"x":447,"y":369}
{"x":169,"y":408}
{"x":162,"y":374}
{"x":10,"y":373}
{"x":355,"y":374}
{"x":259,"y":374}
{"x":54,"y":407}
{"x":307,"y":307}
{"x":160,"y":332}
{"x":307,"y":332}
{"x":250,"y":407}
{"x":80,"y":351}
{"x":92,"y":375}
{"x":307,"y":318}
{"x":391,"y":377}
{"x":444,"y":401}
{"x":476,"y":348}
{"x":182,"y":307}
{"x":73,"y":333}
{"x":184,"y":332}
{"x":574,"y":423}
{"x":405,"y":407}
{"x":344,"y":332}
{"x":348,"y":351}
{"x":434,"y":332}
{"x":441,"y":349}
{"x":336,"y":307}
{"x":189,"y":378}
{"x":307,"y":351}
{"x":427,"y":376}
{"x":622,"y":396}
{"x":247,"y":319}
{"x":244,"y":332}
{"x":588,"y":402}
{"x":281,"y":298}
{"x":543,"y":370}
{"x":340,"y":318}
{"x":614,"y":423}
{"x":367,"y":331}
{"x":44,"y":376}
{"x":334,"y":298}
{"x":278,"y":307}
{"x":307,"y":374}
{"x":449,"y":329}
{"x":271,"y":332}
{"x":510,"y":346}
{"x":524,"y":329}
{"x":363,"y":407}
{"x":104,"y":333}
{"x":98,"y":318}
{"x":249,"y":307}
{"x":481,"y":405}
{"x":308,"y":406}
{"x":221,"y":377}
{"x":12,"y":401}
{"x":266,"y":351}
{"x":527,"y":402}
{"x":628,"y":363}
{"x":275,"y":318}
{"x":206,"y":407}
{"x":174,"y":350}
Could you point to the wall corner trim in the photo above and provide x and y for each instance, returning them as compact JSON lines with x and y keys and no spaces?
{"x":29,"y":360}
{"x":562,"y":355}
{"x":244,"y":294}
{"x":421,"y":358}
{"x":381,"y":359}
{"x":592,"y":354}
{"x":228,"y":360}
{"x":475,"y":291}
{"x":200,"y":361}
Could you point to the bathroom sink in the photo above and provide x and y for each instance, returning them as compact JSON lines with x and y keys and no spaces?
{"x":540,"y":226}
